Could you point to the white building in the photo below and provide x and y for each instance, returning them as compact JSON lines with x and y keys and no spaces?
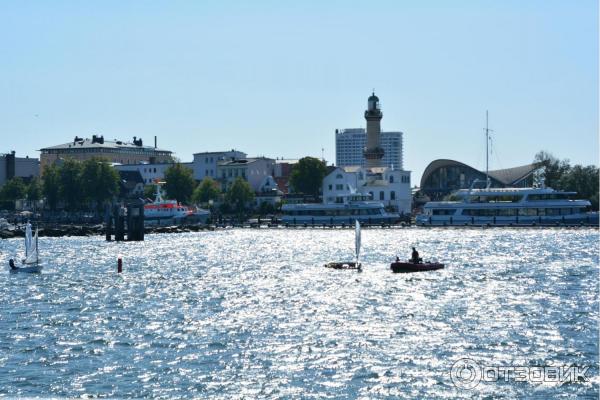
{"x":205,"y":164}
{"x":390,"y":186}
{"x":350,"y":145}
{"x":253,"y":170}
{"x":150,"y":172}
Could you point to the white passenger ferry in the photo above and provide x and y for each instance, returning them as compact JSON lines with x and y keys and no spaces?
{"x":346,"y":210}
{"x":506,"y":207}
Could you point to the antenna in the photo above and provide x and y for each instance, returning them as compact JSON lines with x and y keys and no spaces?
{"x":487,"y":154}
{"x":323,"y":154}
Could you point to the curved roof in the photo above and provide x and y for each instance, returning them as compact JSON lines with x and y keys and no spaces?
{"x":373,"y":97}
{"x":507,"y":176}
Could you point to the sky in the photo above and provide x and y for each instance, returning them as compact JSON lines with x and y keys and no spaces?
{"x":276,"y":78}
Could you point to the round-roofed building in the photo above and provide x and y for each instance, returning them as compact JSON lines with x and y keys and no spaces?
{"x":442,"y":177}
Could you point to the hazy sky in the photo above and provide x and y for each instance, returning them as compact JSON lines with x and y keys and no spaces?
{"x":276,"y":78}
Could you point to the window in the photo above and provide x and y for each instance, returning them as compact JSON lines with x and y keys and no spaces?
{"x":339,"y":176}
{"x":391,"y":178}
{"x":339,"y":187}
{"x":444,"y":211}
{"x":154,"y":170}
{"x":330,"y":187}
{"x":381,"y":195}
{"x":392,"y":195}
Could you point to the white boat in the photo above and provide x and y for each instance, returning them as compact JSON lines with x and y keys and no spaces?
{"x":508,"y":207}
{"x":31,"y":262}
{"x":161,"y":209}
{"x":347,"y":209}
{"x":350,"y":265}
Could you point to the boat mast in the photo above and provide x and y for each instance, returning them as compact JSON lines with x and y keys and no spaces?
{"x":487,"y":153}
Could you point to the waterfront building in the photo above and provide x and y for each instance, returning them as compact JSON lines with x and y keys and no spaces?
{"x":350,"y":145}
{"x":442,"y":177}
{"x":114,"y":151}
{"x":205,"y":163}
{"x":282,"y":172}
{"x":12,"y":166}
{"x":253,"y":170}
{"x":389,"y":185}
{"x":150,"y":172}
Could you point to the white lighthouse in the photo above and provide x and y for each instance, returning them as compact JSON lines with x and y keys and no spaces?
{"x":373,"y":151}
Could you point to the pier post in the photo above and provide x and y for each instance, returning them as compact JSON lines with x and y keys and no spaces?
{"x":108,"y":222}
{"x":119,"y":215}
{"x":135,"y":221}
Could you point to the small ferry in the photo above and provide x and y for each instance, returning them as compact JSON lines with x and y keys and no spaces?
{"x":507,"y":207}
{"x":346,"y":209}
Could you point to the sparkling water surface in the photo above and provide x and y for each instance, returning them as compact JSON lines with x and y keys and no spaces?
{"x":246,"y":313}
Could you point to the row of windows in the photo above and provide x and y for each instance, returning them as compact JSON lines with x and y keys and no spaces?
{"x":122,"y":150}
{"x":512,"y":212}
{"x":345,"y":212}
{"x":496,"y":199}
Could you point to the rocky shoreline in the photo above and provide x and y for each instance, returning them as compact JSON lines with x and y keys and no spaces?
{"x":95,"y":230}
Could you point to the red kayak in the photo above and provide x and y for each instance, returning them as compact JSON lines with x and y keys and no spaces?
{"x":400,"y":266}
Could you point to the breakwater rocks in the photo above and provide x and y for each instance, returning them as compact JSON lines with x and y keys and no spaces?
{"x":94,"y":230}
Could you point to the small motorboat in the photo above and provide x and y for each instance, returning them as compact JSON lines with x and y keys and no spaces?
{"x":407,"y":266}
{"x":343,"y":265}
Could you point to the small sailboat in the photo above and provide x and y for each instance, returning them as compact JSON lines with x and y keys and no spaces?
{"x":31,"y":262}
{"x":350,"y":265}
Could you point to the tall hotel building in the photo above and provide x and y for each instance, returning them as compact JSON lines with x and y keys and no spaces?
{"x":350,"y":146}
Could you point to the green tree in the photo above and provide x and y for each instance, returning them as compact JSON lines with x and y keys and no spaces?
{"x":266,"y":208}
{"x":13,"y":189}
{"x":70,"y":184}
{"x":584,"y":181}
{"x":34,"y":190}
{"x":99,"y":182}
{"x":307,"y":175}
{"x":239,"y":195}
{"x":179,"y":183}
{"x":207,"y":190}
{"x":51,"y":185}
{"x":149,"y":191}
{"x":552,"y":168}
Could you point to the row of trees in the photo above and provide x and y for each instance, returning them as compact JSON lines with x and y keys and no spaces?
{"x":77,"y":185}
{"x":16,"y":189}
{"x":181,"y":186}
{"x":559,"y":174}
{"x":306,"y":177}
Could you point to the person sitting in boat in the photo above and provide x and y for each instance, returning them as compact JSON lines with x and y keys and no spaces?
{"x":415,"y":256}
{"x":11,"y":263}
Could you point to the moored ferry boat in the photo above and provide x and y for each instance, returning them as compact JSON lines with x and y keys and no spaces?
{"x":507,"y":207}
{"x":346,"y":210}
{"x":161,"y":209}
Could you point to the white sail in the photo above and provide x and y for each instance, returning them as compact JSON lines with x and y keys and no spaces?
{"x":28,"y":240}
{"x":32,"y":254}
{"x":357,"y":241}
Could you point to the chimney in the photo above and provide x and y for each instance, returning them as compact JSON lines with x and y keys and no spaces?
{"x":155,"y":142}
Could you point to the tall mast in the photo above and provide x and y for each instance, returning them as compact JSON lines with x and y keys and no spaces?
{"x":487,"y":142}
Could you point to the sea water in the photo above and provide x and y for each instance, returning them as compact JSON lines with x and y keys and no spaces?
{"x":254,"y":314}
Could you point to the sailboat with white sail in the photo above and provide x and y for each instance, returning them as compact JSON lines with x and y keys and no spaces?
{"x":351,"y":264}
{"x":31,"y":262}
